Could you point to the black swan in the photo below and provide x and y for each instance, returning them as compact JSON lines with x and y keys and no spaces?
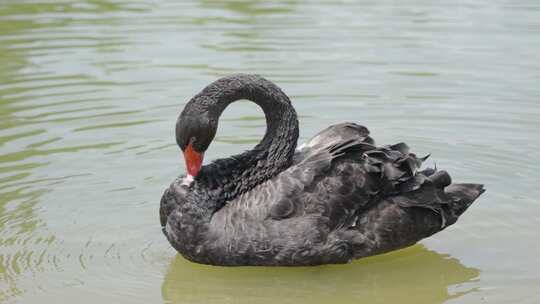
{"x":336,"y":198}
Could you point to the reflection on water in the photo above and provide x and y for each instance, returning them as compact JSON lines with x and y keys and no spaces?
{"x":414,"y":275}
{"x":90,"y":90}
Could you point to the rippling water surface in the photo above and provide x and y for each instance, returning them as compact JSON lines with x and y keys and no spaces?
{"x":90,"y":91}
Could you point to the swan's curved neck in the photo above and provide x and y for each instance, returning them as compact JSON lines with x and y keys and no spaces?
{"x":225,"y":179}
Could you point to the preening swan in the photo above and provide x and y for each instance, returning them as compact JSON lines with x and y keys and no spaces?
{"x":336,"y":198}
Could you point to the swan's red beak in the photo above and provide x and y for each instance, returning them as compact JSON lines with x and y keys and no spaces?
{"x":194,"y":160}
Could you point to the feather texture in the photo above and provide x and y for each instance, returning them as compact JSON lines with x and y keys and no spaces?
{"x":343,"y":198}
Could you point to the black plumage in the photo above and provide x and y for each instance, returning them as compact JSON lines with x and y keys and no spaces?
{"x":336,"y":198}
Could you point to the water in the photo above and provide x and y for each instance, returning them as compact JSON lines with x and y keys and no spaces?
{"x":90,"y":91}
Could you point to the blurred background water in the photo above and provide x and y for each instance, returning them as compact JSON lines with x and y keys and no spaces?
{"x":90,"y":91}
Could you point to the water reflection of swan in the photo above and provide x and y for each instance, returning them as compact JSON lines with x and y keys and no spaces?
{"x":414,"y":275}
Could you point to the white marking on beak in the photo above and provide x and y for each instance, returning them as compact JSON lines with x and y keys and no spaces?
{"x":188,"y":180}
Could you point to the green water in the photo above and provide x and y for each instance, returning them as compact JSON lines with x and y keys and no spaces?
{"x":90,"y":91}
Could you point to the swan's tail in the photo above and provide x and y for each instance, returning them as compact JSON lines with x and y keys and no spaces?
{"x":462,"y":196}
{"x":402,"y":220}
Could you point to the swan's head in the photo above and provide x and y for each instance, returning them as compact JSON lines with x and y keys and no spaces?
{"x":195,"y":130}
